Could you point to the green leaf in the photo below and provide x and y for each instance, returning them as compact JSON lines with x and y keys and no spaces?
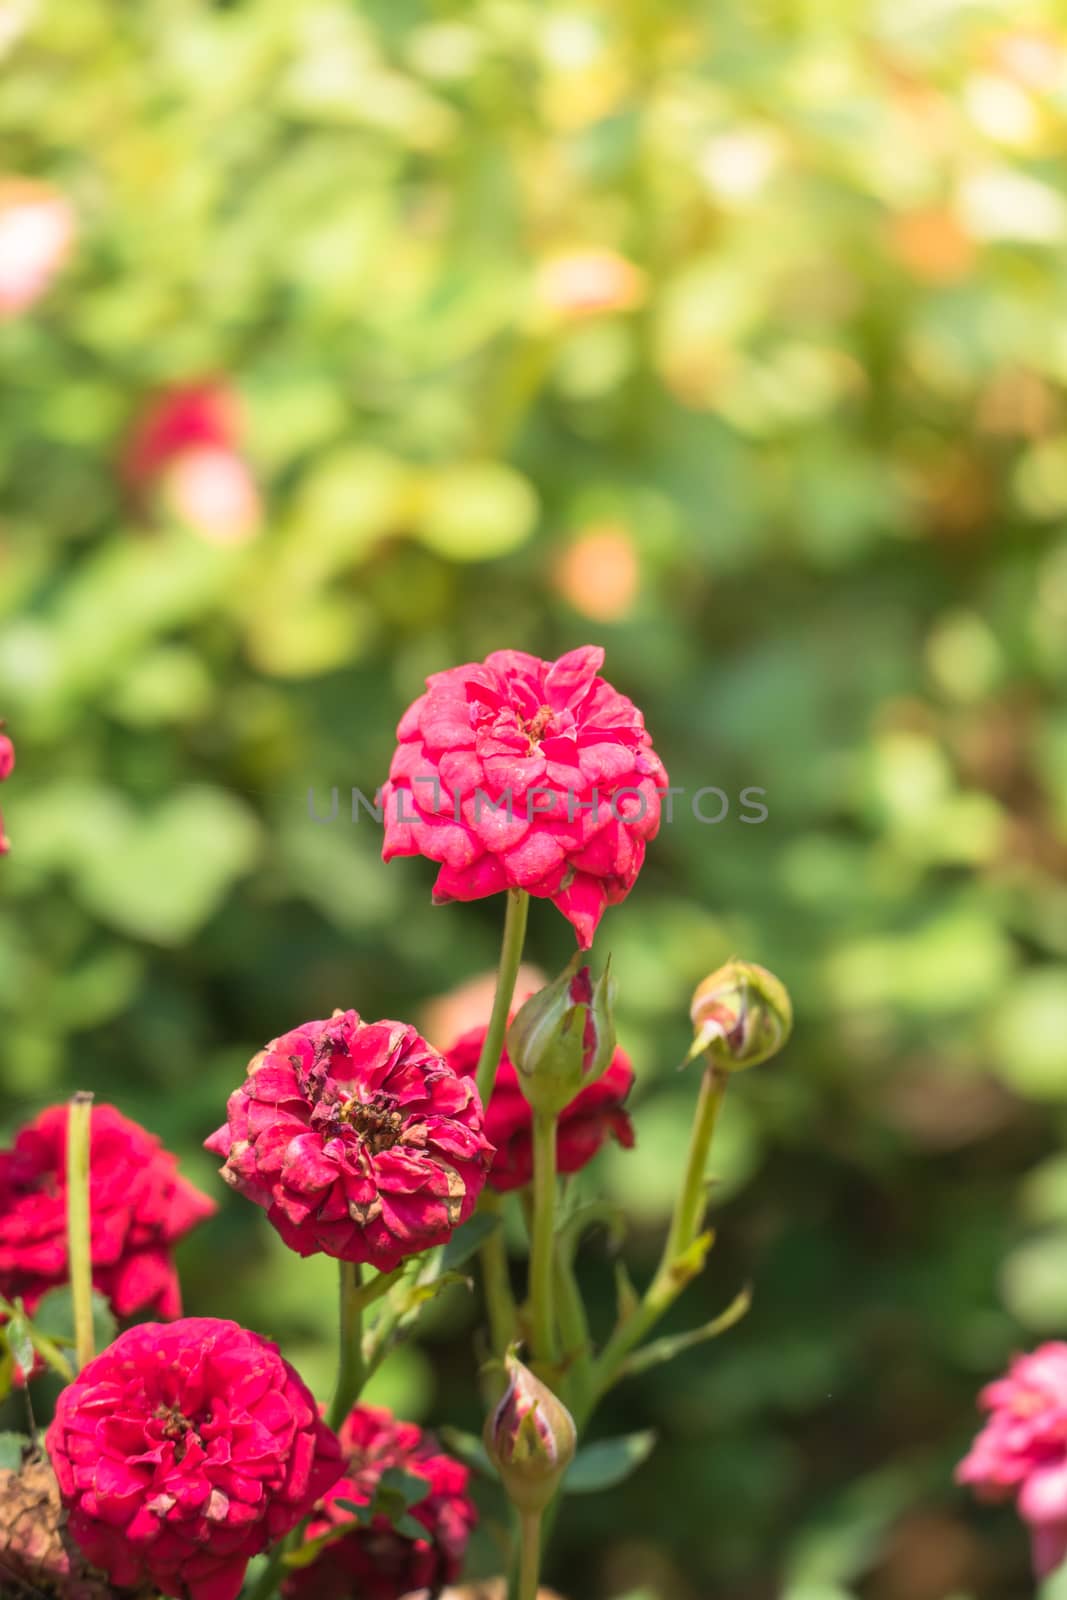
{"x":627,"y":1298}
{"x":17,"y":1333}
{"x":410,"y":1297}
{"x":608,"y":1462}
{"x":7,"y":1367}
{"x":410,"y":1487}
{"x":54,"y":1318}
{"x":595,"y":1213}
{"x":12,"y":1448}
{"x":309,"y":1551}
{"x":660,"y":1350}
{"x":466,"y":1241}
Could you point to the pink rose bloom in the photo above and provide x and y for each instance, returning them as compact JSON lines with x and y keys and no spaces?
{"x":357,"y":1139}
{"x":140,"y":1206}
{"x":7,"y":767}
{"x":378,"y":1562}
{"x":186,"y":445}
{"x":595,"y":1114}
{"x":1022,"y":1450}
{"x":517,"y":773}
{"x":36,"y":233}
{"x":184,"y":1450}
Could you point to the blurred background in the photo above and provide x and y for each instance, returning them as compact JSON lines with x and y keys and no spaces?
{"x":342,"y":343}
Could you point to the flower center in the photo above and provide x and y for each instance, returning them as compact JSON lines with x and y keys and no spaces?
{"x":535,"y":727}
{"x":376,"y":1121}
{"x":175,"y":1426}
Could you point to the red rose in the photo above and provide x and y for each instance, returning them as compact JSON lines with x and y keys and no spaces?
{"x":358,"y":1140}
{"x":592,"y":1116}
{"x":184,"y":1450}
{"x":139,"y":1207}
{"x":378,"y":1562}
{"x":524,"y":774}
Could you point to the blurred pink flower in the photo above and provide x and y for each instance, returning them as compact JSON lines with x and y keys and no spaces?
{"x":588,"y":283}
{"x":36,"y":234}
{"x":186,"y":448}
{"x":7,"y":767}
{"x":214,"y":492}
{"x":1022,"y":1450}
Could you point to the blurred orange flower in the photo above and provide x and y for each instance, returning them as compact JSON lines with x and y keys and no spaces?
{"x":933,"y":245}
{"x":588,"y":283}
{"x":599,"y":573}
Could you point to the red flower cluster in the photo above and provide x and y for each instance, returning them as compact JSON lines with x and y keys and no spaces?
{"x":518,"y":773}
{"x":595,"y":1114}
{"x":139,"y":1207}
{"x":377,"y":1562}
{"x":7,"y":767}
{"x":184,"y":1450}
{"x":358,"y":1139}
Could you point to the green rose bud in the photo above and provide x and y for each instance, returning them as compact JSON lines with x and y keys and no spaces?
{"x":531,"y":1439}
{"x":563,"y":1038}
{"x":742,"y":1015}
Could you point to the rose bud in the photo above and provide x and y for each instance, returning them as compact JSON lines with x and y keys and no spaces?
{"x":742,"y":1015}
{"x":531,"y":1439}
{"x":563,"y":1037}
{"x":595,"y":1115}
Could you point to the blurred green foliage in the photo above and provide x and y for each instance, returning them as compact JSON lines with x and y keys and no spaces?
{"x":807,"y":483}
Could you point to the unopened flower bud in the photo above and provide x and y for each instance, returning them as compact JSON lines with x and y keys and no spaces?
{"x":7,"y":756}
{"x":531,"y":1439}
{"x":563,"y":1038}
{"x":742,"y":1015}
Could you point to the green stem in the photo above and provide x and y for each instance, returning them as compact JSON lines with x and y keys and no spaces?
{"x":79,"y":1242}
{"x":350,"y":1373}
{"x":351,"y":1376}
{"x":496,"y":1279}
{"x":674,"y":1271}
{"x":507,"y":972}
{"x":574,"y":1330}
{"x":692,"y":1198}
{"x":542,"y":1244}
{"x":530,"y":1554}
